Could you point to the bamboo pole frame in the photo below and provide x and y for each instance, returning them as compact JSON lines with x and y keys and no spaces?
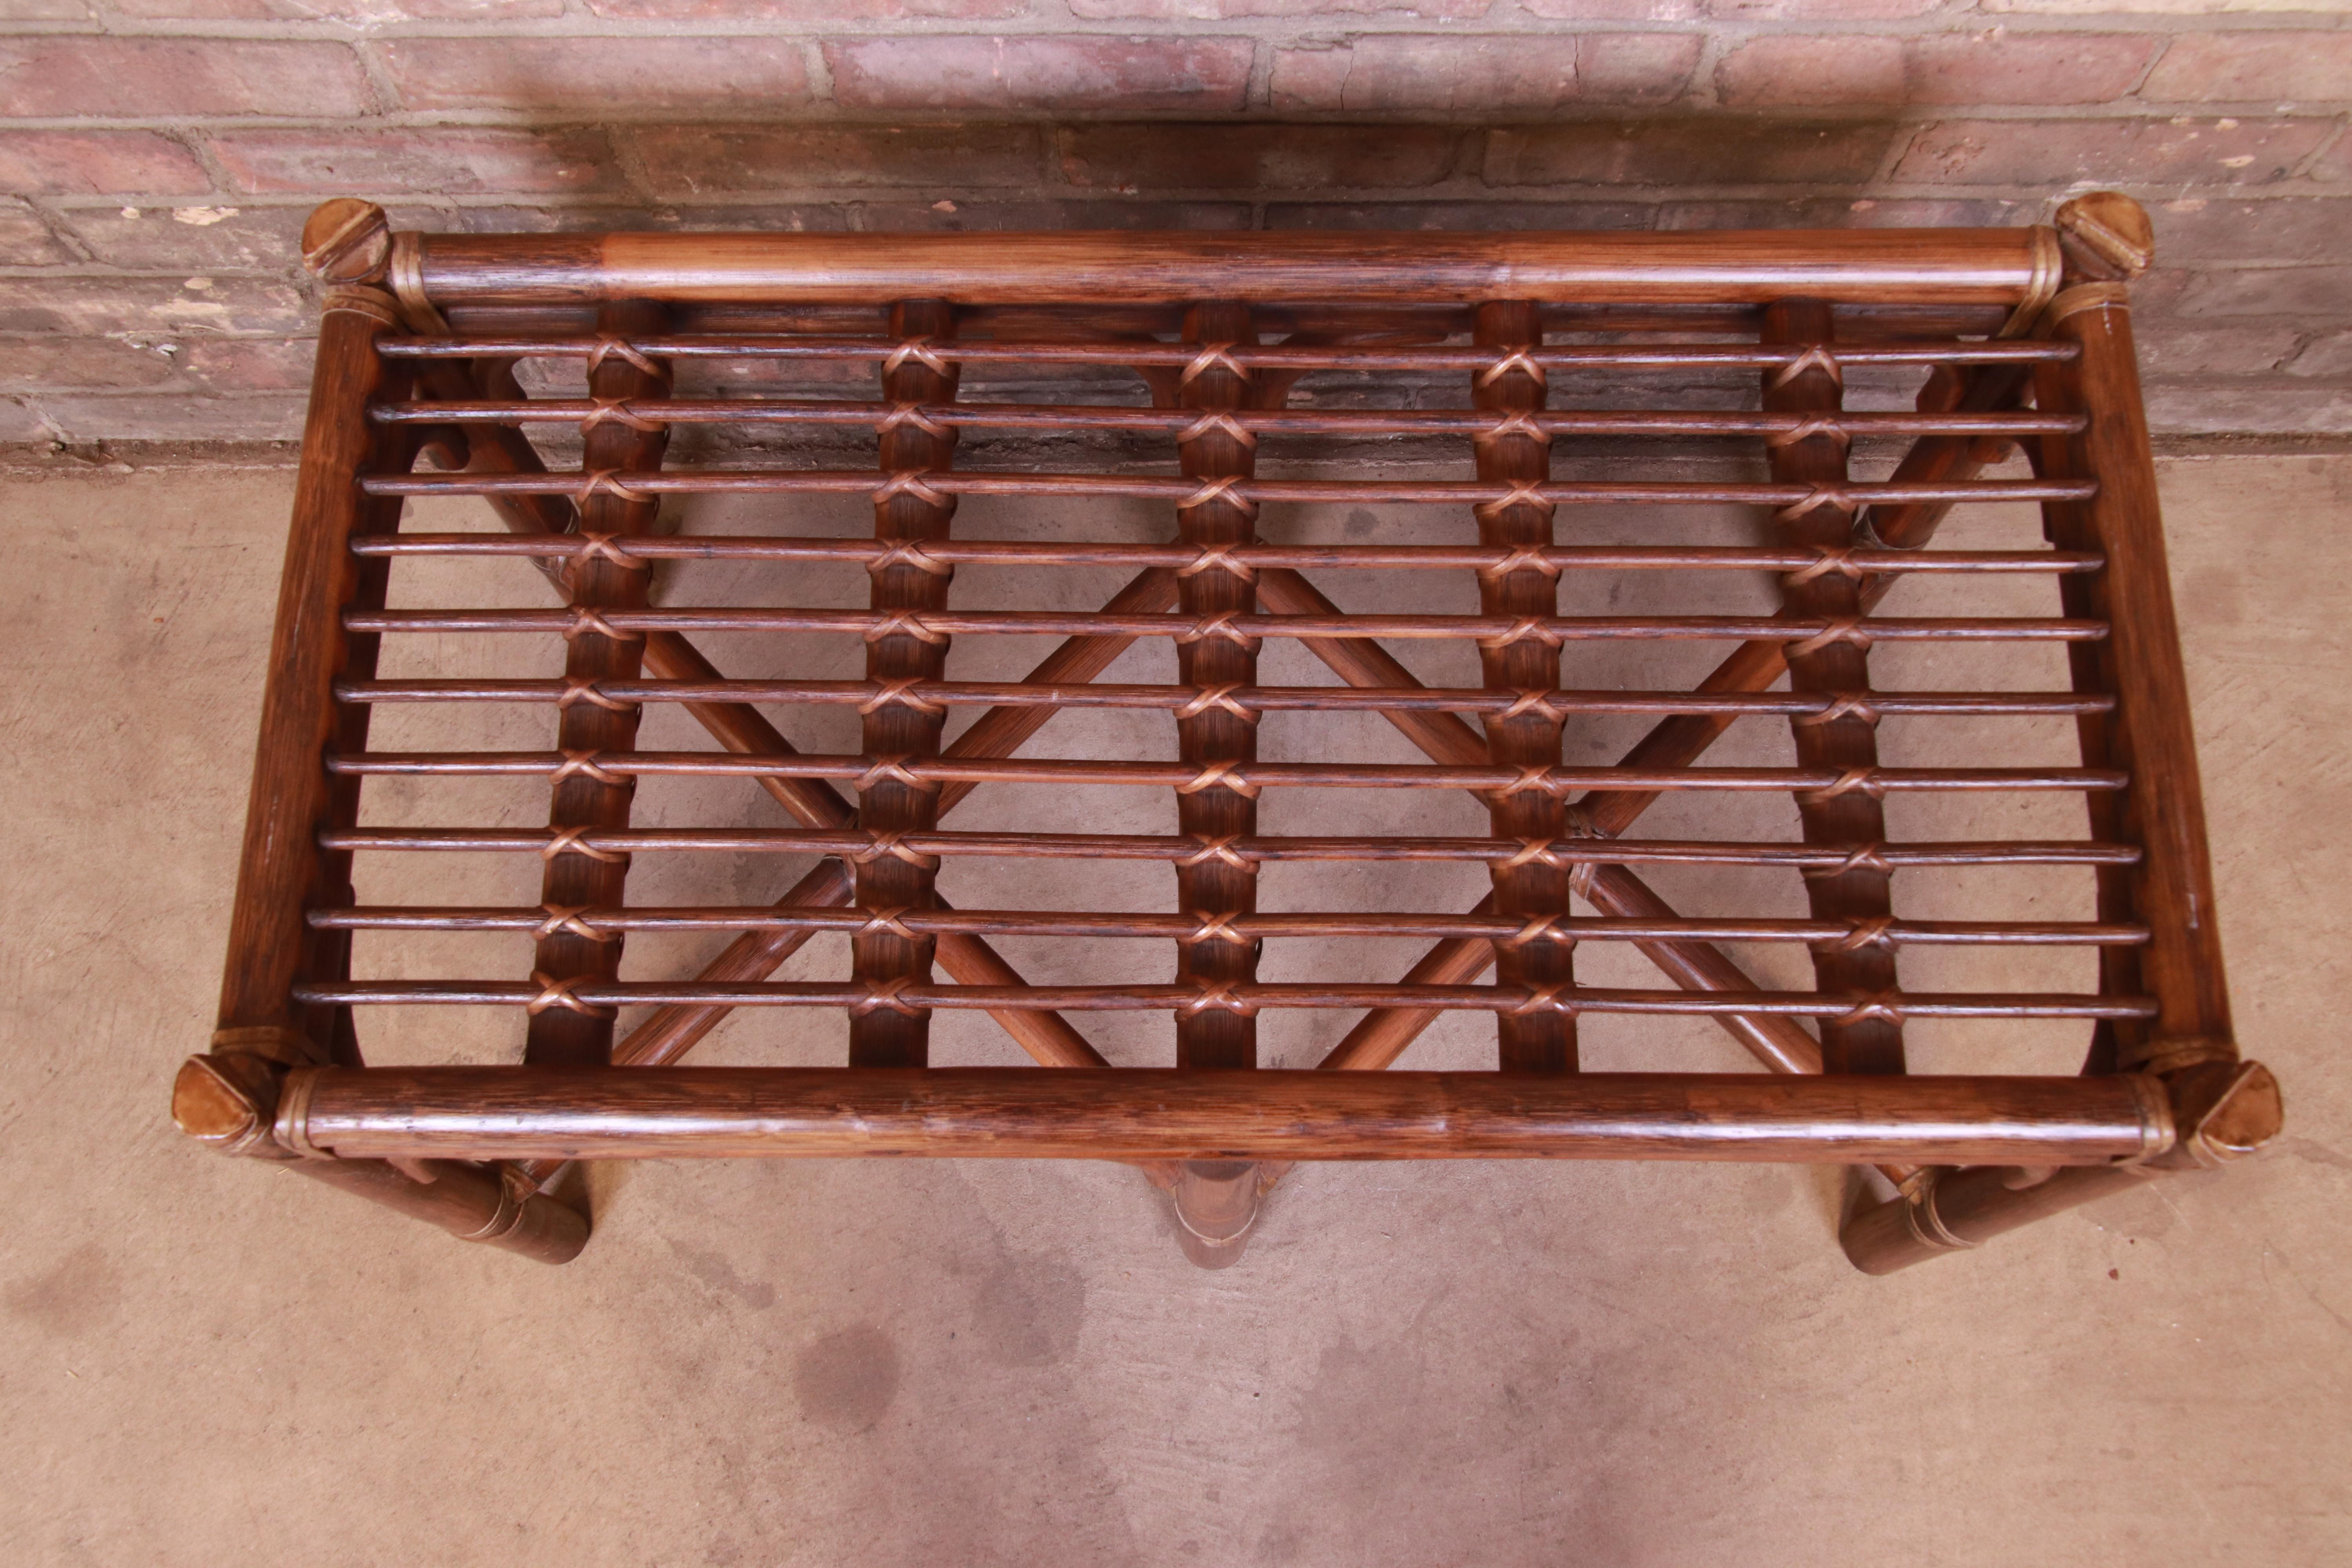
{"x":2025,"y":335}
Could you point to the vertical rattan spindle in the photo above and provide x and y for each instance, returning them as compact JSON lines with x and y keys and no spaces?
{"x":1517,"y":452}
{"x":1844,"y":735}
{"x":1216,"y":449}
{"x":563,"y":1030}
{"x":1216,"y":1201}
{"x":883,"y":1031}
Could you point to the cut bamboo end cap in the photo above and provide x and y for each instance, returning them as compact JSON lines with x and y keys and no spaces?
{"x":2246,"y":1117}
{"x":2106,"y":237}
{"x":347,"y":241}
{"x":211,"y":1108}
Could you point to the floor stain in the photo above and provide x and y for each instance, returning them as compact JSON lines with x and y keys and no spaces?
{"x":79,"y":1293}
{"x":846,"y":1380}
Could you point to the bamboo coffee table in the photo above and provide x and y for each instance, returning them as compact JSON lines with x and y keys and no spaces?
{"x":2009,"y":338}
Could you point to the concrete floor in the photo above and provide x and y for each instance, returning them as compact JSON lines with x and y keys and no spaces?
{"x":980,"y":1364}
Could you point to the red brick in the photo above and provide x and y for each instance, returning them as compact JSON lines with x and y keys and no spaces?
{"x":1448,"y":216}
{"x":148,"y":417}
{"x":110,"y":304}
{"x":762,"y":158}
{"x":2329,"y":356}
{"x":1809,"y":10}
{"x":48,"y":10}
{"x":2170,"y":348}
{"x":1841,"y":212}
{"x":1977,"y":68}
{"x":81,"y":74}
{"x":2283,"y":229}
{"x":247,"y":364}
{"x":232,"y":239}
{"x":1481,"y":74}
{"x":1843,"y":67}
{"x":43,"y":361}
{"x":2051,"y":153}
{"x":360,"y":11}
{"x":592,"y":76}
{"x":2203,"y":67}
{"x":821,"y":11}
{"x":1256,"y":157}
{"x":2207,"y":407}
{"x":1692,"y":151}
{"x":1039,"y":72}
{"x":25,"y":239}
{"x":1012,"y":215}
{"x":1227,"y":10}
{"x":2306,"y":291}
{"x":89,"y":162}
{"x":383,"y":160}
{"x":1616,"y":10}
{"x":2001,"y":67}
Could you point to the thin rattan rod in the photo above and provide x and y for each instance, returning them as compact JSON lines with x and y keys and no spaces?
{"x":1066,"y":416}
{"x":942,"y":623}
{"x":584,"y":485}
{"x":1319,"y":356}
{"x":1510,"y":930}
{"x":1146,"y":847}
{"x":1243,"y":776}
{"x":1418,"y":557}
{"x":1251,"y":997}
{"x":1255,"y":699}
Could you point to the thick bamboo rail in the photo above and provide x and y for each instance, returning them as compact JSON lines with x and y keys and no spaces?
{"x":1144,"y":1113}
{"x":2005,"y":266}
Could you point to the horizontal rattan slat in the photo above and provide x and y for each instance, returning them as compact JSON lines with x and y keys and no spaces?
{"x":1143,"y":486}
{"x":1233,"y":928}
{"x":1285,"y":356}
{"x":1417,"y":557}
{"x":1237,"y":998}
{"x":941,"y":624}
{"x":1125,"y":847}
{"x":1174,"y":423}
{"x":1246,"y":776}
{"x":1258,"y":699}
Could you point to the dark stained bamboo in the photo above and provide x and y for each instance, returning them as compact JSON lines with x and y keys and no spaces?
{"x":1836,"y":664}
{"x":1515,"y":449}
{"x":1325,"y":353}
{"x":283,"y":867}
{"x":1259,"y":699}
{"x":1215,"y":742}
{"x":883,"y":1032}
{"x":1144,"y":1113}
{"x":2149,"y":733}
{"x":813,"y":916}
{"x":2002,"y":267}
{"x":1061,"y":417}
{"x":852,"y":841}
{"x":1381,"y":1036}
{"x":1228,"y":625}
{"x":1080,"y":553}
{"x":1183,"y":491}
{"x":567,"y":1033}
{"x":1240,"y":776}
{"x":740,"y":727}
{"x":1237,"y":997}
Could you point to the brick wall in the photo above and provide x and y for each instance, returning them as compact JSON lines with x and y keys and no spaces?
{"x":160,"y":154}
